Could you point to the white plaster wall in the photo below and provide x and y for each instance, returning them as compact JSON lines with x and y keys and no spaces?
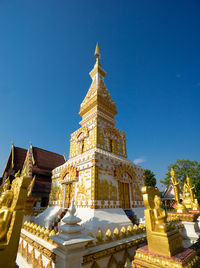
{"x":93,"y":219}
{"x":47,"y":217}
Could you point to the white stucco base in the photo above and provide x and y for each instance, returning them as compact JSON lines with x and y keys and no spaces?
{"x":21,"y":262}
{"x":191,"y":231}
{"x":187,"y":243}
{"x":139,"y":212}
{"x":47,"y":217}
{"x":198,"y":220}
{"x":93,"y":219}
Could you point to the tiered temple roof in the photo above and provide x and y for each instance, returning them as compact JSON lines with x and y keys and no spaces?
{"x":33,"y":162}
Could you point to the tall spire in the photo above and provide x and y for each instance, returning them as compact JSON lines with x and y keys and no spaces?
{"x":97,"y":52}
{"x":97,"y":71}
{"x":98,"y":94}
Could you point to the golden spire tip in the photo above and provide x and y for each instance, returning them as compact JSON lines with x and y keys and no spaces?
{"x":97,"y":51}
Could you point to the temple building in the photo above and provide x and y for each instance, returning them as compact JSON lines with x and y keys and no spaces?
{"x":168,"y":197}
{"x":98,"y":173}
{"x":36,"y":163}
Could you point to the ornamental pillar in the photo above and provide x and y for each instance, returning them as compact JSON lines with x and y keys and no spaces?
{"x":71,"y":242}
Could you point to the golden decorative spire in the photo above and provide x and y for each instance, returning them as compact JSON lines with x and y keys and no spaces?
{"x":31,"y":185}
{"x":97,"y":52}
{"x":98,"y":95}
{"x":97,"y":70}
{"x":12,"y":154}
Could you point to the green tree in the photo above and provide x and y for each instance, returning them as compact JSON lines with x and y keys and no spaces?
{"x":184,"y":168}
{"x":150,"y":179}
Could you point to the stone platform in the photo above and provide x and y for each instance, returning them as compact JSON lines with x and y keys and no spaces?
{"x":146,"y":259}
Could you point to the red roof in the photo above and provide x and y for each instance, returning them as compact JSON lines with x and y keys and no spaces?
{"x":19,"y":158}
{"x":47,"y":160}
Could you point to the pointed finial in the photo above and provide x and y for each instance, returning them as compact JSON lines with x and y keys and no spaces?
{"x":17,"y":174}
{"x":72,"y":208}
{"x":12,"y":150}
{"x":64,"y":157}
{"x":172,"y":172}
{"x":188,"y":179}
{"x":97,"y":52}
{"x":6,"y":184}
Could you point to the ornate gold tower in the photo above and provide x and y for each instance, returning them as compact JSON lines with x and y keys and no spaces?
{"x":98,"y":174}
{"x":98,"y":111}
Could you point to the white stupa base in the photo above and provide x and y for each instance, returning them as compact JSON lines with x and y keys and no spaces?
{"x":93,"y":219}
{"x":190,"y":231}
{"x":139,"y":212}
{"x":48,"y":216}
{"x":21,"y":262}
{"x":187,"y":243}
{"x":198,"y":220}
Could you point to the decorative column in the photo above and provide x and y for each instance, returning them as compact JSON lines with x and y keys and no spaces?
{"x":71,"y":242}
{"x":64,"y":196}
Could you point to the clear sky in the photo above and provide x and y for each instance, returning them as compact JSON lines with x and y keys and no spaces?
{"x":150,"y":51}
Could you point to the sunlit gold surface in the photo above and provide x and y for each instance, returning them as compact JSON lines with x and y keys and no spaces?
{"x":180,"y":208}
{"x":29,"y":249}
{"x":11,"y":215}
{"x":175,"y":183}
{"x":5,"y":212}
{"x":97,"y":51}
{"x":94,"y":184}
{"x":31,"y":185}
{"x":188,"y":196}
{"x":164,"y":241}
{"x":189,"y":201}
{"x":191,"y":217}
{"x":162,"y":237}
{"x":146,"y":259}
{"x":98,"y":94}
{"x":160,"y":216}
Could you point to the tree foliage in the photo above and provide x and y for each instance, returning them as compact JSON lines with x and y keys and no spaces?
{"x":150,"y":179}
{"x":184,"y":168}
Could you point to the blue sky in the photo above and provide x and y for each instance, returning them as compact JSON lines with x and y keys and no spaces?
{"x":150,"y":51}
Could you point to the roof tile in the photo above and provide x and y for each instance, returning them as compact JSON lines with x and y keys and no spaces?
{"x":46,"y":159}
